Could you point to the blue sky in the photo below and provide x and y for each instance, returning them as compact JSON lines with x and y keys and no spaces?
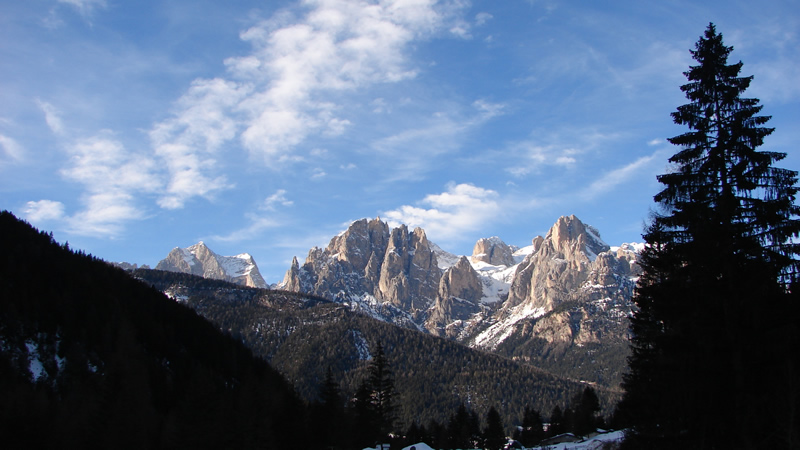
{"x":129,"y":128}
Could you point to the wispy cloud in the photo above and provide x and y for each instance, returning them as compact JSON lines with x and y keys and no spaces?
{"x":337,"y":46}
{"x":482,"y":17}
{"x":52,"y":116}
{"x":278,"y":198}
{"x":189,"y":141}
{"x":559,"y":148}
{"x":264,"y":216}
{"x":413,"y":151}
{"x":111,"y":177}
{"x":85,"y":7}
{"x":284,"y":91}
{"x":614,"y":178}
{"x":43,"y":210}
{"x":256,"y":226}
{"x":447,"y":216}
{"x":12,"y":151}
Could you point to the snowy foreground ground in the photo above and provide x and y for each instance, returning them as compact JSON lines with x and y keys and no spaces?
{"x":601,"y":441}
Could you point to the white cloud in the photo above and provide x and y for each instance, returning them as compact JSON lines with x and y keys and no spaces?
{"x":257,"y":226}
{"x":553,"y":149}
{"x":535,"y":157}
{"x":482,"y":17}
{"x":318,"y":174}
{"x":448,"y":216}
{"x":188,"y":141}
{"x":43,"y":210}
{"x":335,"y":46}
{"x":52,"y":117}
{"x":624,"y":174}
{"x":111,"y":176}
{"x":280,"y":94}
{"x":413,"y":151}
{"x":278,"y":198}
{"x":488,"y":110}
{"x":12,"y":151}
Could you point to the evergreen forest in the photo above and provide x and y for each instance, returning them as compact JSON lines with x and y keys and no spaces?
{"x":93,"y":357}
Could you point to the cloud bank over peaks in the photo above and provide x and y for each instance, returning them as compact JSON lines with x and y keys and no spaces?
{"x":448,"y":216}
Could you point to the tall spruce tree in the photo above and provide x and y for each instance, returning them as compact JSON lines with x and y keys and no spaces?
{"x":383,"y":396}
{"x":494,"y":437}
{"x":714,"y":359}
{"x":531,"y":432}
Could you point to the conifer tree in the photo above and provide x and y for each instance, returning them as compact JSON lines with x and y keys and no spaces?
{"x":556,"y":425}
{"x":718,"y":269}
{"x":383,"y":396}
{"x":494,"y":436}
{"x":531,"y":432}
{"x":327,"y":414}
{"x":587,"y":405}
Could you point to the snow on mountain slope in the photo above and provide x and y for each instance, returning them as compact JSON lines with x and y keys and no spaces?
{"x":200,"y":260}
{"x":566,"y":289}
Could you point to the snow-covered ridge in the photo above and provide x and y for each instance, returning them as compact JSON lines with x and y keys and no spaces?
{"x":200,"y":260}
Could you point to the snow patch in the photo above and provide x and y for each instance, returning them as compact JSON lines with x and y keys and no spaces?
{"x":444,"y":259}
{"x":523,"y":253}
{"x":35,"y":365}
{"x":362,"y":348}
{"x":188,"y":257}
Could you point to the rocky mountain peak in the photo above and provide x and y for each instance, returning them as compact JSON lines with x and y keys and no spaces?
{"x":458,"y":299}
{"x":361,"y":239}
{"x":568,"y":288}
{"x":559,"y":266}
{"x":571,"y":238}
{"x":492,"y":251}
{"x":368,"y":260}
{"x":200,"y":260}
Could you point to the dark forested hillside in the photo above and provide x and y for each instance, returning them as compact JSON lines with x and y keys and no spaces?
{"x":303,"y":336}
{"x":92,"y":358}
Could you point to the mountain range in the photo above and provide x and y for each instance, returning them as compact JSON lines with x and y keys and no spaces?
{"x":560,"y":303}
{"x":200,"y":260}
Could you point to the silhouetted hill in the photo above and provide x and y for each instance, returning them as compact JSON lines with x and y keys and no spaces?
{"x":92,"y":358}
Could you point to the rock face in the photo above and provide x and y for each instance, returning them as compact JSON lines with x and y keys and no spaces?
{"x":458,"y":299}
{"x":200,"y":260}
{"x":390,"y":272}
{"x":564,"y":293}
{"x":562,"y":261}
{"x":492,"y":251}
{"x":571,"y":272}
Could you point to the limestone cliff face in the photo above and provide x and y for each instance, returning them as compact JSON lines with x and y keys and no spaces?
{"x":492,"y":251}
{"x":394,"y":267}
{"x":201,"y":261}
{"x":570,"y":293}
{"x":458,"y":299}
{"x":560,"y":264}
{"x":572,"y":289}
